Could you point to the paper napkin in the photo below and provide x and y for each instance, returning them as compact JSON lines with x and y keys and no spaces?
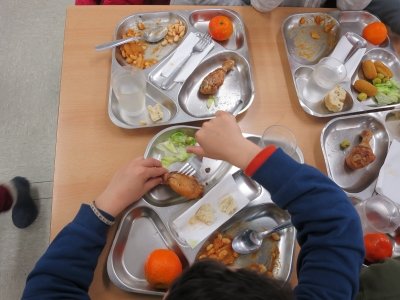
{"x":180,"y":53}
{"x":389,"y":175}
{"x":193,"y":233}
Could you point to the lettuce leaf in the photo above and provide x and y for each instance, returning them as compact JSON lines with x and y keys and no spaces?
{"x":174,"y":149}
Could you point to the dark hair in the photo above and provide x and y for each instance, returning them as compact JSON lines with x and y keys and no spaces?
{"x":211,"y":280}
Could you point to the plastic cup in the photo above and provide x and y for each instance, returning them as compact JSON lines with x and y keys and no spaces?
{"x":281,"y":137}
{"x":129,"y":87}
{"x":329,"y":72}
{"x":379,"y":214}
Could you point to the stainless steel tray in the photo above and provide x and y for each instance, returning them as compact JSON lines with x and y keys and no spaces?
{"x":301,"y":69}
{"x":182,"y":103}
{"x":385,"y":126}
{"x":360,"y":184}
{"x":148,"y":225}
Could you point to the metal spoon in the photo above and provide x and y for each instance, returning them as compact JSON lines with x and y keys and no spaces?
{"x":250,"y":240}
{"x":153,"y":35}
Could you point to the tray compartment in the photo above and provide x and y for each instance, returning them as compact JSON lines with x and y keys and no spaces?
{"x":163,"y":195}
{"x":153,"y":97}
{"x":237,"y":86}
{"x":302,"y":77}
{"x":392,"y":123}
{"x":154,"y":50}
{"x":261,"y":217}
{"x":301,"y":46}
{"x":355,"y":21}
{"x":389,"y":59}
{"x":128,"y":255}
{"x":353,"y":181}
{"x":199,"y":19}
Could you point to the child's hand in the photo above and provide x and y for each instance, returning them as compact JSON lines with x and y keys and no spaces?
{"x":221,"y":138}
{"x":129,"y":184}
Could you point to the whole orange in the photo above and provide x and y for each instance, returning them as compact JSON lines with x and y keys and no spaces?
{"x":377,"y":247}
{"x":375,"y":33}
{"x":161,"y":268}
{"x":220,"y":28}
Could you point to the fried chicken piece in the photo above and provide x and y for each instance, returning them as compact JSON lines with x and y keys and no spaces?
{"x":184,"y":185}
{"x":361,"y":155}
{"x":215,"y":79}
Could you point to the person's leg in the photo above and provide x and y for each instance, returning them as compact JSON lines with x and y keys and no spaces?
{"x":388,"y":11}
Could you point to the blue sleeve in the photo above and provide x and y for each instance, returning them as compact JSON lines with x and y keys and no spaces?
{"x":66,"y":269}
{"x":328,"y":227}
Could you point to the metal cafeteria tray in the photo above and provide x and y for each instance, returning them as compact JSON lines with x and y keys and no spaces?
{"x":360,"y":183}
{"x":304,"y":53}
{"x":182,"y":102}
{"x":147,"y":226}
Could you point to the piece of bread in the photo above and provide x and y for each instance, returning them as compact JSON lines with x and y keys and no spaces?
{"x":334,"y":100}
{"x":204,"y":214}
{"x":227,"y":205}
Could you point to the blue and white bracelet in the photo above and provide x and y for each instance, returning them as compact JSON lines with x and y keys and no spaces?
{"x":100,"y":215}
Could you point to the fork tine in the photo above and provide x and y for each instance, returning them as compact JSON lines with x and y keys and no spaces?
{"x":187,"y":169}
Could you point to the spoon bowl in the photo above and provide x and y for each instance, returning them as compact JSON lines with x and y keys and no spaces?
{"x":250,"y":240}
{"x":152,"y":35}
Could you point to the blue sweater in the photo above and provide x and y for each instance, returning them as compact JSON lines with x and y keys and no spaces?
{"x":329,"y":233}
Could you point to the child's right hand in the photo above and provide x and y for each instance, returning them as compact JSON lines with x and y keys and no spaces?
{"x":221,"y":138}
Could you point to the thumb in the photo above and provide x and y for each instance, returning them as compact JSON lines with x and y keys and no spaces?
{"x":197,"y":150}
{"x":151,"y":183}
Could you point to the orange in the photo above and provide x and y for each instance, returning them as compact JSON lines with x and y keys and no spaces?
{"x":161,"y":268}
{"x":375,"y":33}
{"x":377,"y":247}
{"x":220,"y":28}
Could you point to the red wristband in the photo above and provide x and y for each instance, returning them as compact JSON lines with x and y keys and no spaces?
{"x":259,"y":159}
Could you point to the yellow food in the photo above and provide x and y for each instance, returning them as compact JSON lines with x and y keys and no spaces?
{"x":220,"y":249}
{"x":369,"y":70}
{"x":334,"y":100}
{"x":364,"y":86}
{"x":155,"y":112}
{"x":204,"y":214}
{"x":383,"y":69}
{"x":135,"y":54}
{"x":228,"y":205}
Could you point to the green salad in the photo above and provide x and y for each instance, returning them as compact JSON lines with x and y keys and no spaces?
{"x":388,"y":92}
{"x":174,"y":149}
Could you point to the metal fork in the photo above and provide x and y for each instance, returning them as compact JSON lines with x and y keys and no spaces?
{"x":187,"y":169}
{"x":203,"y":42}
{"x":191,"y":166}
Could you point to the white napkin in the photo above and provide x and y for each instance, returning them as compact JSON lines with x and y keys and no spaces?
{"x":193,"y":234}
{"x":340,"y":52}
{"x":184,"y":49}
{"x":389,"y":175}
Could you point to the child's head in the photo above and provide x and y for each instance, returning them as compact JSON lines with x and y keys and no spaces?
{"x":209,"y":280}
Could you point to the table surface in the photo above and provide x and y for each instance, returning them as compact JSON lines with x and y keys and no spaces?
{"x":90,"y":148}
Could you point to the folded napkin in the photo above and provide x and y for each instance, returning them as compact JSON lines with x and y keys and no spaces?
{"x":389,"y":175}
{"x":193,"y":231}
{"x":184,"y":49}
{"x":340,"y":52}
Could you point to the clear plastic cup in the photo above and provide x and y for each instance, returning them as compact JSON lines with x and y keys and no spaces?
{"x":329,"y":72}
{"x":379,"y":214}
{"x":281,"y":137}
{"x":129,"y":86}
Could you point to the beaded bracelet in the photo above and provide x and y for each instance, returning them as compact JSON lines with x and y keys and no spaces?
{"x":100,"y":215}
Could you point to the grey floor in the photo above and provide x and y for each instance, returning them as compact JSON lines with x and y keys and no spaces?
{"x":30,"y":62}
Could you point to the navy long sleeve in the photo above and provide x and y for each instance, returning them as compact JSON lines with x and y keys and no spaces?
{"x":329,"y":229}
{"x":66,"y":269}
{"x":329,"y":233}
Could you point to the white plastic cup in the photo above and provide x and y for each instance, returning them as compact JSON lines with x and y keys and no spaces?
{"x":129,"y":87}
{"x":329,"y":72}
{"x":281,"y":137}
{"x":379,"y":214}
